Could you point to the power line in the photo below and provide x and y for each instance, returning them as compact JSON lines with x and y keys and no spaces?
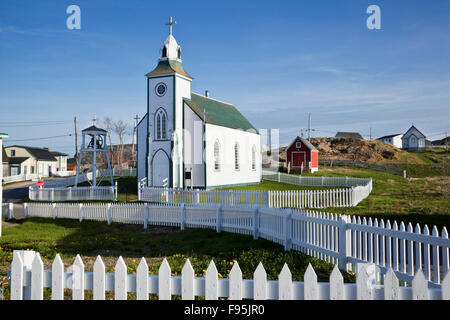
{"x":43,"y":138}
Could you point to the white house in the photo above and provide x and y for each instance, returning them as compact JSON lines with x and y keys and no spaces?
{"x":394,"y":139}
{"x":191,"y":140}
{"x":413,"y":139}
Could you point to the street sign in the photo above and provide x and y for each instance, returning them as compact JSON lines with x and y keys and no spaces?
{"x":40,"y":184}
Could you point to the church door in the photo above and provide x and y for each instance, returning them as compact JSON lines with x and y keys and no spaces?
{"x":160,"y":168}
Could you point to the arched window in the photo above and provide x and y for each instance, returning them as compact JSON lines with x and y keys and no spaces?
{"x":161,"y":125}
{"x":179,"y":53}
{"x":164,"y":52}
{"x":216,"y":155}
{"x":236,"y":156}
{"x":253,"y":158}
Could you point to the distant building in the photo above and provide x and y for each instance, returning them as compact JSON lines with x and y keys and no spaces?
{"x":354,"y":135}
{"x":413,"y":139}
{"x":302,"y":153}
{"x":5,"y":161}
{"x":394,"y":139}
{"x":31,"y":160}
{"x":62,"y":160}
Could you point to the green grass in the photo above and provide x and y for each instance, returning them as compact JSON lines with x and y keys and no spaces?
{"x":90,"y":238}
{"x":266,"y":185}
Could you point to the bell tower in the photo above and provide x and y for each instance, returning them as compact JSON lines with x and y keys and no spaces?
{"x":167,"y":85}
{"x":93,"y":141}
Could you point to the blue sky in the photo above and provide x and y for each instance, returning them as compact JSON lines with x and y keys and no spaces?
{"x":276,"y":61}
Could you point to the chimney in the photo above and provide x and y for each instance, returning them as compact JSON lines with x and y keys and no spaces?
{"x":207,"y":93}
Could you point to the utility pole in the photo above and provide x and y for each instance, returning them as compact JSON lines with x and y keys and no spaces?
{"x":136,"y":120}
{"x":76,"y":140}
{"x":309,"y":126}
{"x":370,"y":133}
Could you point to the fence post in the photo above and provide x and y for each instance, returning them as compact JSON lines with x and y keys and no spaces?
{"x":11,"y":210}
{"x":267,"y":198}
{"x":343,"y":242}
{"x":52,"y":194}
{"x":81,"y":212}
{"x":108,"y":213}
{"x":54,"y":210}
{"x":322,"y":180}
{"x":91,"y":193}
{"x":25,"y":210}
{"x":183,"y":216}
{"x":70,"y":193}
{"x":346,"y":181}
{"x":278,"y":176}
{"x":115,"y":191}
{"x":198,"y":195}
{"x":255,"y":222}
{"x":287,"y":230}
{"x":219,"y":218}
{"x":146,"y":215}
{"x":231,"y":197}
{"x":139,"y":190}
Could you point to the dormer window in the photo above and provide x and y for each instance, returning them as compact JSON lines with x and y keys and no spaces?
{"x":164,"y":52}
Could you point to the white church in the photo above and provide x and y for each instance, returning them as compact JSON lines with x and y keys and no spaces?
{"x":189,"y":140}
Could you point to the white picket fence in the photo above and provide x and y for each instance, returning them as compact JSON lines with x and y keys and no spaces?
{"x":72,"y":194}
{"x":28,"y":279}
{"x":124,"y":172}
{"x":314,"y":199}
{"x":20,"y":177}
{"x":330,"y":237}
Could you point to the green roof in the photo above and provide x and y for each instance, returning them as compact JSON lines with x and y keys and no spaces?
{"x":168,"y":66}
{"x":219,"y":113}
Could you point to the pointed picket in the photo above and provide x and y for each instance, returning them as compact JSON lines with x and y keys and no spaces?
{"x":426,"y":254}
{"x":445,"y":252}
{"x":164,"y":281}
{"x":260,"y":283}
{"x":391,"y":287}
{"x":57,"y":279}
{"x":142,"y":280}
{"x":285,"y":284}
{"x":365,"y":281}
{"x":235,"y":282}
{"x":311,"y":290}
{"x":120,"y":280}
{"x":187,"y":281}
{"x":420,"y":287}
{"x":16,"y":277}
{"x":37,"y":278}
{"x":99,"y":279}
{"x":336,"y":284}
{"x":78,"y":279}
{"x":436,"y":262}
{"x":445,"y":287}
{"x":211,"y":282}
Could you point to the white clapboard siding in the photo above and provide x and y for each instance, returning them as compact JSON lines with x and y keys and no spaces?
{"x":35,"y":278}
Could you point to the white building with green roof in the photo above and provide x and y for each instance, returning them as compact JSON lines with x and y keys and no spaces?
{"x":191,"y":140}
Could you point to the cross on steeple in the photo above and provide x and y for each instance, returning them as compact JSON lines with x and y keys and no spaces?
{"x":170,"y":23}
{"x":94,"y":120}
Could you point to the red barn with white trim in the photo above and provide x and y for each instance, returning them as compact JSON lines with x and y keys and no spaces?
{"x":302,"y":151}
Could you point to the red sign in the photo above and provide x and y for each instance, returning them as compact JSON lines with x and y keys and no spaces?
{"x":40,"y":184}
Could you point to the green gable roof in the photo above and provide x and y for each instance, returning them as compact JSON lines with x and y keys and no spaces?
{"x":168,"y":66}
{"x":218,"y":113}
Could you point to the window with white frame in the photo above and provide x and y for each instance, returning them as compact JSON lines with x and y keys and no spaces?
{"x":161,"y":125}
{"x":217,"y":155}
{"x":298,"y":144}
{"x":236,"y":156}
{"x":13,"y":153}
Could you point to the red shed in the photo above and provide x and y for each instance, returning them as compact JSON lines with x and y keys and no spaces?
{"x":302,"y":151}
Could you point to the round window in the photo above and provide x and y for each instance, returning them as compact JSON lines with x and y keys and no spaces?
{"x":161,"y":89}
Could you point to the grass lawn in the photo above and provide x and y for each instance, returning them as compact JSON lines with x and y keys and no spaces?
{"x":127,"y":188}
{"x":266,"y":185}
{"x":416,"y":200}
{"x":91,"y":238}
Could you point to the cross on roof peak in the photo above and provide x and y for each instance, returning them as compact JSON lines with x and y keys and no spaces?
{"x":94,"y":119}
{"x":170,"y":23}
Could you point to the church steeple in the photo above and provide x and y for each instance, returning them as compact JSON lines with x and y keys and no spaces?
{"x":170,"y":50}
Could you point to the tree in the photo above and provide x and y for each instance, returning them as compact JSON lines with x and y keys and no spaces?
{"x":119,"y":129}
{"x":109,"y":128}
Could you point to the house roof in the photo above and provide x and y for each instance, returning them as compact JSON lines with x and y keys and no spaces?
{"x":38,"y":153}
{"x":167,"y":67}
{"x":413,"y":127}
{"x":17,"y":160}
{"x":390,"y":136}
{"x":218,"y":113}
{"x":305,"y":142}
{"x":354,"y":135}
{"x":58,"y":154}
